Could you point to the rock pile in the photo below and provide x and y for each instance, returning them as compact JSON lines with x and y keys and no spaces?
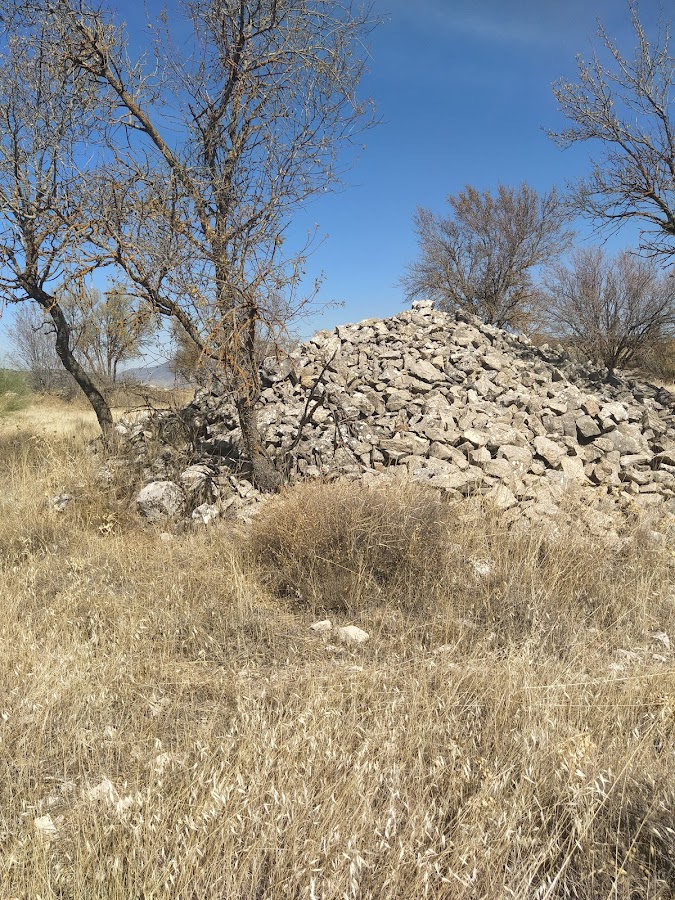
{"x":449,"y":401}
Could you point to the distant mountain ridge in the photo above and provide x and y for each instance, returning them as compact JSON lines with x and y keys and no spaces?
{"x":159,"y":375}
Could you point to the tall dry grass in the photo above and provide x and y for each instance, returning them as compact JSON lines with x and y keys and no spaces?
{"x":170,"y":726}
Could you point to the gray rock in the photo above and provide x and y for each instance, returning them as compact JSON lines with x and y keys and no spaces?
{"x":160,"y":500}
{"x":573,"y":467}
{"x":441,"y":398}
{"x":615,"y":411}
{"x":425,"y":371}
{"x":549,"y":451}
{"x":61,"y":501}
{"x":205,"y":513}
{"x":588,"y":428}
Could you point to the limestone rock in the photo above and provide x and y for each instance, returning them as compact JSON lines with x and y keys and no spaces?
{"x":205,"y":513}
{"x":549,"y":451}
{"x":441,"y":398}
{"x":588,"y":428}
{"x":160,"y":500}
{"x":351,"y":634}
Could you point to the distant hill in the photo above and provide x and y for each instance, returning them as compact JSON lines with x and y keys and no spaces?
{"x":156,"y":376}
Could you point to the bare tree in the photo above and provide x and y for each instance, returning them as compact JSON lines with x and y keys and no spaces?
{"x":612,"y":308}
{"x":231,"y":127}
{"x":33,"y":349}
{"x":112,"y":328}
{"x":622,"y":105}
{"x":45,"y":121}
{"x":481,"y":258}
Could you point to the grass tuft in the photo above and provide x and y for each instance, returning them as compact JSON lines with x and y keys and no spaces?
{"x":345,"y":544}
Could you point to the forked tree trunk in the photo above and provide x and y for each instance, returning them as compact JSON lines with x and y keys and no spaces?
{"x":71,"y":365}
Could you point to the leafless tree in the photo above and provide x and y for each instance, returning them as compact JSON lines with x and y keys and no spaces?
{"x":481,"y":258}
{"x":45,"y":122}
{"x":33,"y":349}
{"x":622,"y":106}
{"x":612,"y":308}
{"x":220,"y":135}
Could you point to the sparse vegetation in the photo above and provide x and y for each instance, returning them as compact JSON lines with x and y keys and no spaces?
{"x":615,"y":309}
{"x":14,"y":391}
{"x":170,"y":726}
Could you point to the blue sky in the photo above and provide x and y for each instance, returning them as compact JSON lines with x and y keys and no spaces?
{"x":463,"y":89}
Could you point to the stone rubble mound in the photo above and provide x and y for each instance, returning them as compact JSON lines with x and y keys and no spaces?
{"x":451,"y":402}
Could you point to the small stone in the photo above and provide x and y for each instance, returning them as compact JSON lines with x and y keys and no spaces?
{"x":573,"y":467}
{"x":660,"y":637}
{"x":588,"y":428}
{"x":104,"y":792}
{"x":549,"y":451}
{"x":425,"y":371}
{"x":475,"y":437}
{"x":481,"y":567}
{"x":501,"y":497}
{"x":479,"y":455}
{"x":492,"y":362}
{"x":351,"y":634}
{"x":205,"y":514}
{"x":615,"y":411}
{"x":45,"y":826}
{"x":60,"y":502}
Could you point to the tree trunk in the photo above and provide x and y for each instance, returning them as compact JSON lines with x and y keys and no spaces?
{"x":240,"y":317}
{"x":70,"y":364}
{"x":265,"y":476}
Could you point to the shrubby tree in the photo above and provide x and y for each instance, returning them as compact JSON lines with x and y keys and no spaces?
{"x":613,"y":308}
{"x":112,"y":328}
{"x":481,"y":258}
{"x":46,"y":121}
{"x":621,"y":104}
{"x":218,"y":136}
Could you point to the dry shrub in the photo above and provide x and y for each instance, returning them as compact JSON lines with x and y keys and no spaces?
{"x":342,"y":545}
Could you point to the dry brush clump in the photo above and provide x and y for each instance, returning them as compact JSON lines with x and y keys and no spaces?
{"x":170,"y":727}
{"x":342,"y":544}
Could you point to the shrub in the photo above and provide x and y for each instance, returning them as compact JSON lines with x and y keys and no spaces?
{"x":14,"y":391}
{"x":340,"y":545}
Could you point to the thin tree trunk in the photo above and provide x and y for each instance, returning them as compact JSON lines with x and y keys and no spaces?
{"x":265,"y":476}
{"x":242,"y":318}
{"x":70,"y":364}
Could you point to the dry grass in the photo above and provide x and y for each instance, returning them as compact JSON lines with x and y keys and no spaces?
{"x":169,"y":727}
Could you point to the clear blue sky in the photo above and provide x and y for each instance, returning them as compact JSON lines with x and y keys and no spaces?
{"x":463,"y":88}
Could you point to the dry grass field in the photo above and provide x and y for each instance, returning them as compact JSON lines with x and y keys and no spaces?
{"x":170,"y":726}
